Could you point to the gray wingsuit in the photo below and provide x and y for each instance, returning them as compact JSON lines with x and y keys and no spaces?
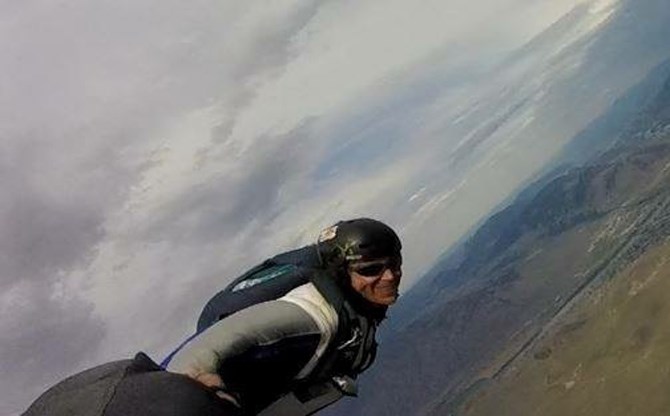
{"x":261,"y":352}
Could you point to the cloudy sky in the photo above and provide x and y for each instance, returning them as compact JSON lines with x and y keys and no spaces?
{"x":152,"y":150}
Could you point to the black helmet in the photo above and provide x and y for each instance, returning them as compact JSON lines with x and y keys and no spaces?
{"x":357,"y":239}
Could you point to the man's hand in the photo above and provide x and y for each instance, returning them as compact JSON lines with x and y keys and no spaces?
{"x":214,"y":381}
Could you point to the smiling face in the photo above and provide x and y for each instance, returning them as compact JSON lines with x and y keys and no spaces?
{"x":376,"y":280}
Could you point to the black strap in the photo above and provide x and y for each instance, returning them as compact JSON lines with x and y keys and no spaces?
{"x":353,"y":329}
{"x":326,"y":283}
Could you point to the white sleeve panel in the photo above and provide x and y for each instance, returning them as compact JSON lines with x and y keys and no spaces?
{"x":311,"y":301}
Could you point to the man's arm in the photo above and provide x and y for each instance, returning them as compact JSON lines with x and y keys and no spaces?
{"x":260,"y":325}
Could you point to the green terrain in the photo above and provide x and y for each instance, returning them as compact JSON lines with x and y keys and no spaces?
{"x":590,"y":289}
{"x":609,"y":355}
{"x":601,"y":346}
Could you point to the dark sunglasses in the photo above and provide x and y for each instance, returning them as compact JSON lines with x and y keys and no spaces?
{"x":375,"y":269}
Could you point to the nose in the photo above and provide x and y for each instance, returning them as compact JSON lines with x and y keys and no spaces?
{"x":390,"y":274}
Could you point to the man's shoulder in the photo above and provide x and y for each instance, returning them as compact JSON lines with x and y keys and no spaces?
{"x":308,"y":297}
{"x":306,"y":291}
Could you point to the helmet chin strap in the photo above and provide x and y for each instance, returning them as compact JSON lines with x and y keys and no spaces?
{"x":319,"y":256}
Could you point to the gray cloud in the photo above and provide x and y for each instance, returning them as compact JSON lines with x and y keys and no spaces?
{"x":66,"y":137}
{"x":40,"y":237}
{"x":270,"y":49}
{"x":220,"y":208}
{"x":50,"y":213}
{"x":49,"y":222}
{"x":84,"y":91}
{"x":44,"y":338}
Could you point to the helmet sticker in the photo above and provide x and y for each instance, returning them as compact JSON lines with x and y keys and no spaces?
{"x":328,"y":234}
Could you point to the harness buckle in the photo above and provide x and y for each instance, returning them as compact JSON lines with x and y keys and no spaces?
{"x":346,"y":385}
{"x":356,"y":338}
